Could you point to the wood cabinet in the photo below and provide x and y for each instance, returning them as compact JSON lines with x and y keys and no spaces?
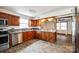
{"x":12,"y":20}
{"x":43,"y":35}
{"x":24,"y":36}
{"x":34,"y":23}
{"x":38,"y":34}
{"x":3,"y":15}
{"x":48,"y":36}
{"x":27,"y":35}
{"x":52,"y":37}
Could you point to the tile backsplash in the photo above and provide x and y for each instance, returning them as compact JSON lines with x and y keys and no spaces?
{"x":50,"y":25}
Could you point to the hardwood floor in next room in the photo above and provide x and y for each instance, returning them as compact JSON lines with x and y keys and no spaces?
{"x":63,"y":45}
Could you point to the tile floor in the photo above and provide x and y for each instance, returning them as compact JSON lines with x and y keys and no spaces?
{"x":63,"y":45}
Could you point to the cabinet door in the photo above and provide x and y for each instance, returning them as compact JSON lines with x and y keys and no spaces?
{"x":38,"y":23}
{"x":13,"y":21}
{"x":34,"y":22}
{"x":38,"y":35}
{"x":42,"y":36}
{"x":16,"y":21}
{"x":52,"y":37}
{"x":24,"y":36}
{"x":31,"y":22}
{"x":46,"y":35}
{"x":29,"y":34}
{"x":34,"y":35}
{"x":9,"y":20}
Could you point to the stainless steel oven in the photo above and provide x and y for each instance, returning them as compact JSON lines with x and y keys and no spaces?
{"x":4,"y":40}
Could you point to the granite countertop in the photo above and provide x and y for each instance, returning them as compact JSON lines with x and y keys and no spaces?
{"x":20,"y":31}
{"x":26,"y":29}
{"x":47,"y":30}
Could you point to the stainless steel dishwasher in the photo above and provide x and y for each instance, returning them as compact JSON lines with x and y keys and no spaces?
{"x":14,"y":39}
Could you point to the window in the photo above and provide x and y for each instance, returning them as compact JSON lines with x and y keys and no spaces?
{"x":58,"y":26}
{"x":62,"y":26}
{"x":23,"y":23}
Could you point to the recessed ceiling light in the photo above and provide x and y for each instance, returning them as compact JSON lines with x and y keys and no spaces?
{"x":32,"y":11}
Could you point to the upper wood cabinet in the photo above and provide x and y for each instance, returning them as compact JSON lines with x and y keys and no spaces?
{"x":3,"y":15}
{"x":34,"y":22}
{"x":12,"y":20}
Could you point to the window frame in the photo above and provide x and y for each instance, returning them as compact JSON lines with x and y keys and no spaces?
{"x":60,"y":26}
{"x":26,"y":23}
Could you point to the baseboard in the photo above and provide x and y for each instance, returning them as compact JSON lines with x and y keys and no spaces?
{"x":63,"y":34}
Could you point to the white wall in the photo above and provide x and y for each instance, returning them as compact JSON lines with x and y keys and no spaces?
{"x":70,"y":27}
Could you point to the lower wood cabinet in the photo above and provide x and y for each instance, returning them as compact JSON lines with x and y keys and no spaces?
{"x":28,"y":35}
{"x":47,"y":36}
{"x":25,"y":37}
{"x":52,"y":37}
{"x":38,"y":35}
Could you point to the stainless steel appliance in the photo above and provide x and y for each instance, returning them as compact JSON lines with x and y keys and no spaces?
{"x":3,"y":22}
{"x":4,"y":39}
{"x":14,"y":39}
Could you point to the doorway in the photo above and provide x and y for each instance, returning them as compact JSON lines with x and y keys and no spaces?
{"x":64,"y":32}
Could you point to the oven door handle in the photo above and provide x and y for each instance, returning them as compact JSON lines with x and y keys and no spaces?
{"x":4,"y":35}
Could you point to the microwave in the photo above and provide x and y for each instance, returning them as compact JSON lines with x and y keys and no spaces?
{"x":3,"y":22}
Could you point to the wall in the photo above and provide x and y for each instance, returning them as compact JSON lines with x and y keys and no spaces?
{"x":50,"y":25}
{"x":70,"y":27}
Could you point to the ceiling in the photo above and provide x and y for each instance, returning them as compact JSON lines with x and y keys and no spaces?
{"x":33,"y":10}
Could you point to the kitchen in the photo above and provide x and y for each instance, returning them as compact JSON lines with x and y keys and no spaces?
{"x":25,"y":25}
